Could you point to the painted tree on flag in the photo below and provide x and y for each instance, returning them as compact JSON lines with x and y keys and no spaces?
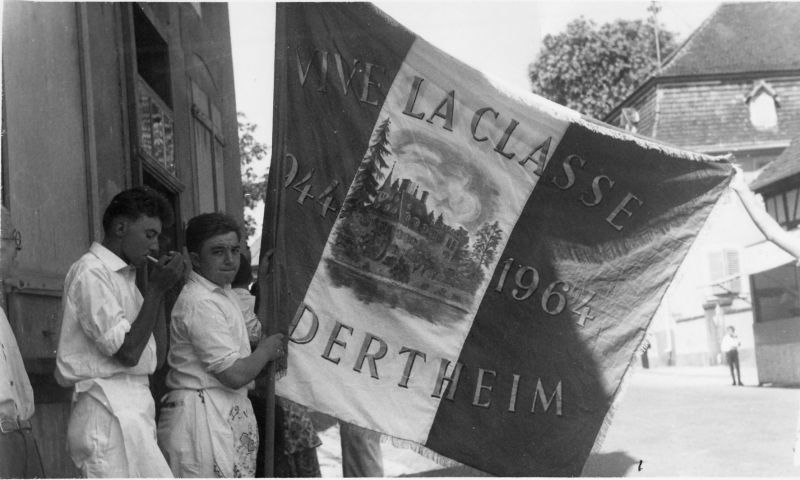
{"x":370,"y":172}
{"x":485,"y":247}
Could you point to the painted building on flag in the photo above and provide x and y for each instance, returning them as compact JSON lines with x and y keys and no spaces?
{"x":99,"y":97}
{"x":733,"y":87}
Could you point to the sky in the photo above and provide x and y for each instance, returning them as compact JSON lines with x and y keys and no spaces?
{"x":500,"y":38}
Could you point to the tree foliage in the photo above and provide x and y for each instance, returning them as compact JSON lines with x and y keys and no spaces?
{"x":592,"y":69}
{"x":254,"y":186}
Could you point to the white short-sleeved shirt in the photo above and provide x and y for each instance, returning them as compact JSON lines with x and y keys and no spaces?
{"x":100,"y":303}
{"x":207,"y":335}
{"x":729,"y":343}
{"x":16,"y":394}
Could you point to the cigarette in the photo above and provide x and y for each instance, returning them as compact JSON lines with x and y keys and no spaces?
{"x":154,"y":260}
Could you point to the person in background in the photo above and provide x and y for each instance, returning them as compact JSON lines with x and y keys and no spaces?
{"x":247,"y":302}
{"x":730,"y":346}
{"x":207,"y":427}
{"x":19,"y":453}
{"x":110,"y":338}
{"x":361,"y":451}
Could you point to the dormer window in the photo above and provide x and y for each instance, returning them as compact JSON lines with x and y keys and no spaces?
{"x":629,"y":119}
{"x":763,"y":102}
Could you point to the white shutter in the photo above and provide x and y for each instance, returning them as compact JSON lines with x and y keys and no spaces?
{"x":732,"y":268}
{"x":724,"y":265}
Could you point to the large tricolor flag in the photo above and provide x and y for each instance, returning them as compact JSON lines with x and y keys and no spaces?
{"x":464,"y":267}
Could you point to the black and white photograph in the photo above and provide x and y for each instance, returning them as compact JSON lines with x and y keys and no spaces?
{"x":452,"y":238}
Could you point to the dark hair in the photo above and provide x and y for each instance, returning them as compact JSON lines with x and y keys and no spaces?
{"x":207,"y":225}
{"x":136,"y":202}
{"x":244,"y":276}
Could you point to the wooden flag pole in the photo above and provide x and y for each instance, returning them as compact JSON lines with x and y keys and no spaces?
{"x":269,"y":433}
{"x":271,"y":241}
{"x":269,"y":327}
{"x":269,"y":392}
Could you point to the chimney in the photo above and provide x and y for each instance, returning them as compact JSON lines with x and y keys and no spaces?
{"x":424,"y":196}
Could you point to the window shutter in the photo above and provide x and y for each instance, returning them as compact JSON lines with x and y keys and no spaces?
{"x":724,"y":264}
{"x":732,"y":268}
{"x":716,"y":264}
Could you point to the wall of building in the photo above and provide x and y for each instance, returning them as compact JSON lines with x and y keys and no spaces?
{"x":109,"y":120}
{"x":691,"y":346}
{"x":778,"y":353}
{"x":70,"y":146}
{"x":45,"y":134}
{"x":682,"y":317}
{"x":47,"y":190}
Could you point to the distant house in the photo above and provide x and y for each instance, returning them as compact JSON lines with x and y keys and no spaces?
{"x":733,"y":87}
{"x":776,"y":291}
{"x":97,"y":98}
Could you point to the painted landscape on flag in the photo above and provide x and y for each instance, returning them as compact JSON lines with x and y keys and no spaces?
{"x":465,"y":267}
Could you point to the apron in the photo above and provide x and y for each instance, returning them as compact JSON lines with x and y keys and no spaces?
{"x":128,"y":399}
{"x":209,"y":433}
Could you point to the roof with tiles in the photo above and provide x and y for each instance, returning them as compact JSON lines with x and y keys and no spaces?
{"x":741,"y":37}
{"x":705,"y":115}
{"x":786,"y":165}
{"x":700,"y":99}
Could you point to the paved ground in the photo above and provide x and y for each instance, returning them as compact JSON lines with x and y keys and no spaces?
{"x":669,"y":422}
{"x":692,"y":422}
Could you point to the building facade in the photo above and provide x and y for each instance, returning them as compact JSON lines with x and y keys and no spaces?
{"x":97,"y":98}
{"x":732,"y":88}
{"x":776,"y":291}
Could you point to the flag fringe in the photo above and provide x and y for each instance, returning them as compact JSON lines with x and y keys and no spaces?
{"x":605,"y":129}
{"x":612,"y":410}
{"x":420,"y":450}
